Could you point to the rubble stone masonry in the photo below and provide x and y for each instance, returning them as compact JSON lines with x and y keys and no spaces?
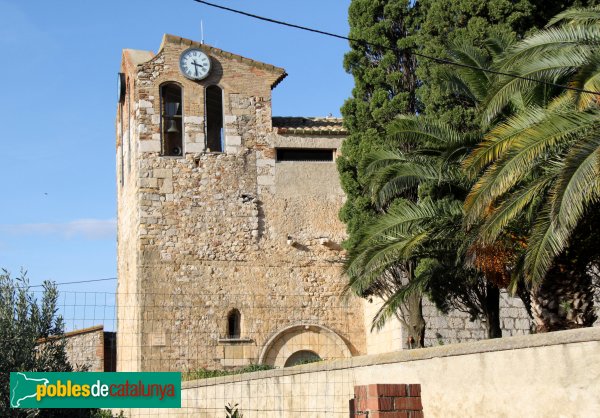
{"x":205,"y":233}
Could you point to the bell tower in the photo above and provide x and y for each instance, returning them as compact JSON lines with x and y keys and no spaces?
{"x":228,"y":237}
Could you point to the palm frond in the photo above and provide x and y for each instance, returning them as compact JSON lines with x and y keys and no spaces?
{"x":423,"y":131}
{"x":577,"y":15}
{"x":539,"y":43}
{"x":393,"y":304}
{"x":398,"y":236}
{"x":498,"y":42}
{"x":390,"y":174}
{"x":546,"y":241}
{"x":578,"y":184}
{"x":498,"y":141}
{"x":511,"y":208}
{"x":586,"y":78}
{"x":551,"y":68}
{"x":474,"y":82}
{"x":528,"y":150}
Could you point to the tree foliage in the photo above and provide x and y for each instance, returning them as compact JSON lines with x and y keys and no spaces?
{"x":385,"y":86}
{"x":388,"y":180}
{"x":30,"y":340}
{"x":539,"y":164}
{"x":471,"y":22}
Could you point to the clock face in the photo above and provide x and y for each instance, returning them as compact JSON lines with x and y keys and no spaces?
{"x":194,"y":64}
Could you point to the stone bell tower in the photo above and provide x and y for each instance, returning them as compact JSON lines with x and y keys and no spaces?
{"x":228,"y":235}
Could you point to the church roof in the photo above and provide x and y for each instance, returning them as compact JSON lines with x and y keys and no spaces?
{"x":309,"y":126}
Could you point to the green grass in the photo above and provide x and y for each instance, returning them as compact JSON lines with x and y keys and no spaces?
{"x":207,"y":374}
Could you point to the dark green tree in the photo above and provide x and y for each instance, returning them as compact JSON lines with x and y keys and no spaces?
{"x":385,"y":86}
{"x":471,"y":22}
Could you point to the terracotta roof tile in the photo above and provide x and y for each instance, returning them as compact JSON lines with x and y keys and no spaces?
{"x":309,"y":126}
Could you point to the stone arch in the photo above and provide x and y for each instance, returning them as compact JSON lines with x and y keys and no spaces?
{"x":303,"y":337}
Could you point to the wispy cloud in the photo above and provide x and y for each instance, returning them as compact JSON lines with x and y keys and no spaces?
{"x":91,"y":229}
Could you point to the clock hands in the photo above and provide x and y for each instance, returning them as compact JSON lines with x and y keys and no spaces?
{"x":196,"y":65}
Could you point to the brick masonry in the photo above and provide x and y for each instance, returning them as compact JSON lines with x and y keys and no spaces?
{"x":387,"y":401}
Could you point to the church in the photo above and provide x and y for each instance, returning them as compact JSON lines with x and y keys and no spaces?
{"x":229,"y":241}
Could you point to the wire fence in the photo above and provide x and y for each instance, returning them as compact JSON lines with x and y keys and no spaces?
{"x":249,"y":350}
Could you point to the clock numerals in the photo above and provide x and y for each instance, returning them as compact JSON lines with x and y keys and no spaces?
{"x":194,"y":64}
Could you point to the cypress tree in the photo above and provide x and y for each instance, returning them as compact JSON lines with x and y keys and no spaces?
{"x":385,"y":86}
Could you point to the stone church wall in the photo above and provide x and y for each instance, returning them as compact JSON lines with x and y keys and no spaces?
{"x":206,"y":233}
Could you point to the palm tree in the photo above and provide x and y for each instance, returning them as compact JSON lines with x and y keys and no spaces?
{"x":423,"y":230}
{"x":540,"y":165}
{"x":426,"y":233}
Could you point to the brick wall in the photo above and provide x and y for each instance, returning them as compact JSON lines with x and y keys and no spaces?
{"x":387,"y":401}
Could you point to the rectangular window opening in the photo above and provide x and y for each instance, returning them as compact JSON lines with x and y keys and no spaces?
{"x":305,"y":154}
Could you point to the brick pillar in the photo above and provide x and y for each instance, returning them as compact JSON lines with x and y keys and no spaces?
{"x":386,"y":401}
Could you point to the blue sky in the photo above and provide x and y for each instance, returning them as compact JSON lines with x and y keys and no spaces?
{"x":58,"y":102}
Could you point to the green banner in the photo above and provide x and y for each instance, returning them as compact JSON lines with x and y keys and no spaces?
{"x":95,"y":390}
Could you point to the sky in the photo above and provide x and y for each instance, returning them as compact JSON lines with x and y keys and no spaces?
{"x":59,"y":63}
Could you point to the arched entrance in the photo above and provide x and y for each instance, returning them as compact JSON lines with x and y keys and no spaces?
{"x":302,"y":357}
{"x":322,"y":342}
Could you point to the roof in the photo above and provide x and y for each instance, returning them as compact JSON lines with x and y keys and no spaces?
{"x":309,"y":126}
{"x":212,"y":50}
{"x":136,"y":56}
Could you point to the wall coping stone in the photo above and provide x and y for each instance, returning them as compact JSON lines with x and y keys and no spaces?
{"x":518,"y":342}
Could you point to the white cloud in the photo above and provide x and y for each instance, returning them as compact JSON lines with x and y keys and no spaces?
{"x":87,"y":228}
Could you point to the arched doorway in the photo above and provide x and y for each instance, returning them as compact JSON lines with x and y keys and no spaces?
{"x":317,"y":339}
{"x":302,"y":357}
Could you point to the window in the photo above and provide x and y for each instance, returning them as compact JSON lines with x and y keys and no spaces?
{"x":302,"y":357}
{"x":214,"y":119}
{"x":304,"y":154}
{"x":234,"y":324}
{"x":171,"y":120}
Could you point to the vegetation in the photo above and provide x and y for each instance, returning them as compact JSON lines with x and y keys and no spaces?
{"x":493,"y":180}
{"x":207,"y":374}
{"x":385,"y":86}
{"x":24,"y":323}
{"x":232,"y":411}
{"x":540,"y":166}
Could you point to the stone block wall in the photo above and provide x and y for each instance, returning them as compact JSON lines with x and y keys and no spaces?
{"x":91,"y":349}
{"x":85,"y":349}
{"x":457,"y":327}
